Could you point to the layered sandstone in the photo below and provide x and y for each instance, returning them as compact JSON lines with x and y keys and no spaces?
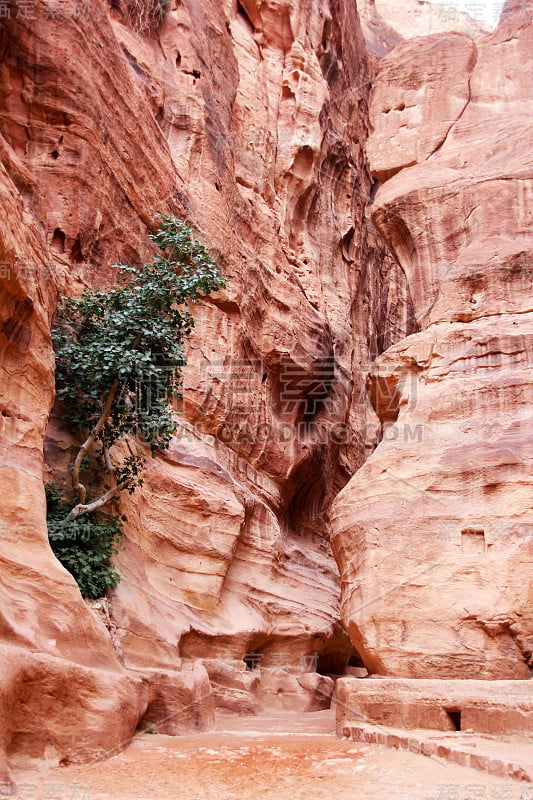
{"x":226,"y":551}
{"x":51,"y":645}
{"x":434,"y":535}
{"x":495,"y":707}
{"x":249,"y":119}
{"x":386,"y":22}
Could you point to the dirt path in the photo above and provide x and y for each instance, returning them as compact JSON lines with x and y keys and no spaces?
{"x":282,"y":756}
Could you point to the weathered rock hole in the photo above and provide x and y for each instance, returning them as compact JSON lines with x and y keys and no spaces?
{"x":178,"y":59}
{"x":473,"y":541}
{"x":355,"y":660}
{"x":303,"y":162}
{"x":15,"y":328}
{"x":329,"y":664}
{"x":346,"y":245}
{"x":455,"y":717}
{"x":252,"y":661}
{"x":76,"y":252}
{"x":58,"y":240}
{"x":54,"y":154}
{"x":304,"y":507}
{"x":326,"y":34}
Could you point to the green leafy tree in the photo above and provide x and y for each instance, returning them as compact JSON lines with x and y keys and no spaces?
{"x":119,"y":355}
{"x":83,"y":544}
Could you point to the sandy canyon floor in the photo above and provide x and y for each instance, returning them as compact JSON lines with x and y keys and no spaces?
{"x":279,"y":756}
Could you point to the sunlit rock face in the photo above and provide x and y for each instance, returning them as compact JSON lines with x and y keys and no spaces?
{"x":386,"y":22}
{"x":434,"y":535}
{"x":227,"y":549}
{"x":250,"y":119}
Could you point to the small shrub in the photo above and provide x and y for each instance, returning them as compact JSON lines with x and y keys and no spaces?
{"x":145,"y":15}
{"x":120,"y":354}
{"x":84,"y":545}
{"x":119,"y":358}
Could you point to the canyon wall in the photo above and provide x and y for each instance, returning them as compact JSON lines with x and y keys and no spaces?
{"x":386,"y":22}
{"x":434,"y":534}
{"x":249,"y":119}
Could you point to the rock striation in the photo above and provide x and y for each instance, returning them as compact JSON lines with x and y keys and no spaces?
{"x":487,"y":707}
{"x":386,"y":22}
{"x":434,"y":534}
{"x":250,"y":119}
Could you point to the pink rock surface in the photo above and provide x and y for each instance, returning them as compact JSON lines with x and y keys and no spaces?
{"x":179,"y":702}
{"x":497,"y":707}
{"x":412,"y":110}
{"x":386,"y":22}
{"x":61,"y":711}
{"x":306,"y":692}
{"x":250,"y":121}
{"x":434,"y":535}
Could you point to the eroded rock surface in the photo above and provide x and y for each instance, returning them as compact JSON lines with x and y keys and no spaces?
{"x":249,"y":119}
{"x":386,"y":22}
{"x":489,"y":707}
{"x":434,"y":535}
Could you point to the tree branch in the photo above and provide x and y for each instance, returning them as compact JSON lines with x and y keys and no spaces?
{"x":83,"y":508}
{"x":76,"y":485}
{"x":108,"y":462}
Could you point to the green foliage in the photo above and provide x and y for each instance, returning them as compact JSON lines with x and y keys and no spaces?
{"x":119,"y":355}
{"x":134,"y":334}
{"x":83,"y":544}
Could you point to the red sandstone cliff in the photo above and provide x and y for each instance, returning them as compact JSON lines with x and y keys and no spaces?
{"x":434,"y":535}
{"x":250,"y":119}
{"x":386,"y":22}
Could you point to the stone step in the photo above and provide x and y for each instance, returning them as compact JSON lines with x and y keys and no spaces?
{"x":475,"y":754}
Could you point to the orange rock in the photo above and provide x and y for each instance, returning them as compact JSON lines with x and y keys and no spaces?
{"x":385,"y":22}
{"x":434,"y":535}
{"x":250,"y":121}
